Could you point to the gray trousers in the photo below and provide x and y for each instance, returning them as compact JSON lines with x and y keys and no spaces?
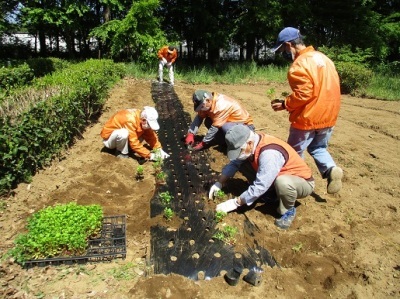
{"x":288,"y":188}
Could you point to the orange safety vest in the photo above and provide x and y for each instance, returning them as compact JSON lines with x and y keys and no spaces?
{"x":225,"y":109}
{"x":294,"y":164}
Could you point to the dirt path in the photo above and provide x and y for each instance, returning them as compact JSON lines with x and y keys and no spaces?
{"x":343,"y":246}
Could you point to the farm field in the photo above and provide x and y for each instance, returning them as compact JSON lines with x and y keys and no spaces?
{"x":341,"y":246}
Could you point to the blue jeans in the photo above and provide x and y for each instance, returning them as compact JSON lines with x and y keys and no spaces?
{"x":316,"y":143}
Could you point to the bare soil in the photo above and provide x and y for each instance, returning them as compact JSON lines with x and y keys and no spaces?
{"x":342,"y":246}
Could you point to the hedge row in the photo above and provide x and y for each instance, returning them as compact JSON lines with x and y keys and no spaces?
{"x":31,"y":140}
{"x":21,"y":72}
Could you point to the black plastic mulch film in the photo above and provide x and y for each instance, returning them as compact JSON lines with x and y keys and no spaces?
{"x":189,"y":250}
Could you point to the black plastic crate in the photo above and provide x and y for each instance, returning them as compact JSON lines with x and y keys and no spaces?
{"x":111,"y":244}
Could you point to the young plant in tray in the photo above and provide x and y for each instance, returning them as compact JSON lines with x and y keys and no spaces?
{"x":62,"y":230}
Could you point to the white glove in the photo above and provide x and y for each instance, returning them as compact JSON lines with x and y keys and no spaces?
{"x":169,"y":63}
{"x":163,"y":154}
{"x":164,"y":60}
{"x":214,"y":189}
{"x":158,"y":154}
{"x":227,"y":206}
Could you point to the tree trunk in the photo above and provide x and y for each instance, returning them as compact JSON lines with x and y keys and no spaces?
{"x":250,"y":45}
{"x":42,"y":43}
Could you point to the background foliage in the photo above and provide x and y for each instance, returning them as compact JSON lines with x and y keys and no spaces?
{"x":134,"y":30}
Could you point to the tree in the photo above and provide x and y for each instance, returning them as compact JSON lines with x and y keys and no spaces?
{"x":137,"y":36}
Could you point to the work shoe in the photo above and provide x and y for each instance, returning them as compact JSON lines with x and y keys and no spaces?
{"x":334,"y":180}
{"x":286,"y":220}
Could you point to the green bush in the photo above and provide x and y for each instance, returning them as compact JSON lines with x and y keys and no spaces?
{"x":31,"y":139}
{"x":354,"y":78}
{"x":353,"y":66}
{"x":44,"y":66}
{"x":62,"y":230}
{"x":15,"y":76}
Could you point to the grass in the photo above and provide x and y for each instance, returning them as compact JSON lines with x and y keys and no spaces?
{"x":383,"y":87}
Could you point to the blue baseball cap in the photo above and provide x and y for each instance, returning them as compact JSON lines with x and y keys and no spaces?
{"x":286,"y":35}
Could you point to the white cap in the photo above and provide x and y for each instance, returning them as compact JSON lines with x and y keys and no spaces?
{"x":151,"y":115}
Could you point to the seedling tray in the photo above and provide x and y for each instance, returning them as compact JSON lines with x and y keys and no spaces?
{"x":111,"y":244}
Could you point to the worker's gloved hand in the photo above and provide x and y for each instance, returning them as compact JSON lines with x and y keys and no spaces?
{"x":227,"y":206}
{"x":158,"y":154}
{"x":189,"y":140}
{"x":169,"y":63}
{"x":201,"y":145}
{"x":163,"y":154}
{"x":214,"y":189}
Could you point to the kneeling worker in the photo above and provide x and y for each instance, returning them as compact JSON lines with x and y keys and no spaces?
{"x":219,"y":113}
{"x":128,"y":127}
{"x":276,"y":164}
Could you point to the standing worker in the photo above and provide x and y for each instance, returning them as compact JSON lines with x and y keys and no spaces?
{"x":219,"y":113}
{"x":167,"y":56}
{"x":276,"y":165}
{"x":313,"y":105}
{"x":127,"y":128}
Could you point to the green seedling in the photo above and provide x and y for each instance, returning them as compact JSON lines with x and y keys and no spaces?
{"x":219,"y":195}
{"x":139,"y":173}
{"x":227,"y":235}
{"x":165,"y":198}
{"x":161,"y":177}
{"x":168,"y":213}
{"x":285,"y":94}
{"x":297,"y":247}
{"x":158,"y":163}
{"x":219,"y":216}
{"x":126,"y":272}
{"x":271,"y":93}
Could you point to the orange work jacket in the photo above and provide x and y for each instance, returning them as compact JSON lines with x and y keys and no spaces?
{"x":130,"y":120}
{"x":315,"y":99}
{"x":163,"y":53}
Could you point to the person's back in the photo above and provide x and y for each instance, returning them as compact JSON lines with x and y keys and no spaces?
{"x":225,"y":109}
{"x":127,"y":118}
{"x":315,"y":102}
{"x":313,"y":105}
